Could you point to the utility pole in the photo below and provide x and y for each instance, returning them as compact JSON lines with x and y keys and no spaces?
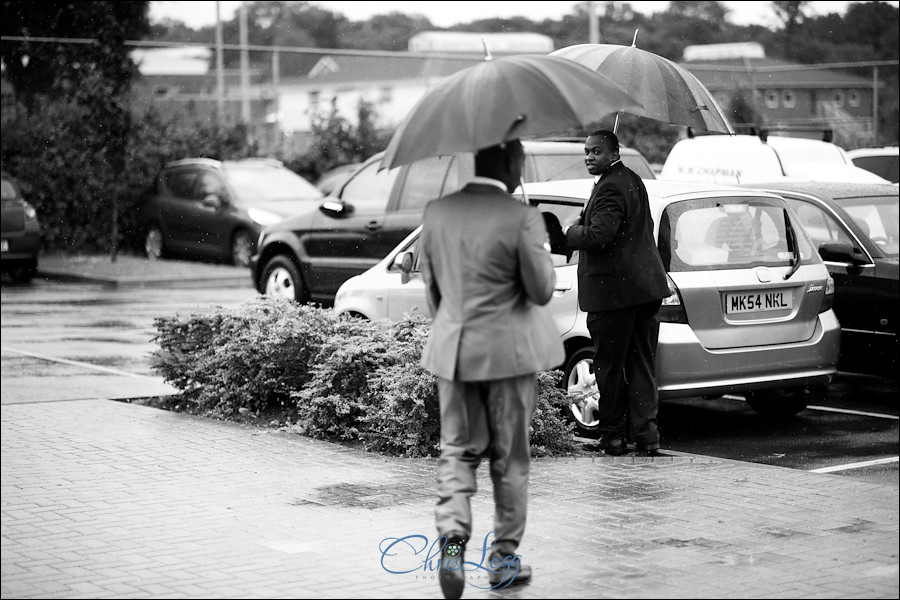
{"x":245,"y":69}
{"x":593,"y":25}
{"x":220,"y":72}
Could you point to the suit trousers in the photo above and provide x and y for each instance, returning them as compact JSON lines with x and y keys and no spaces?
{"x":625,"y":365}
{"x":485,"y":418}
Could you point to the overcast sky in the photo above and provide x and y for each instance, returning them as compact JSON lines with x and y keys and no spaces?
{"x":446,"y":13}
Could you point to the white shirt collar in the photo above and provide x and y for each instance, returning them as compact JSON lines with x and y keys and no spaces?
{"x":489,"y":181}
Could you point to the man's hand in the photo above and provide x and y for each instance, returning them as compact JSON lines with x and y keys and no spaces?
{"x":573,"y":220}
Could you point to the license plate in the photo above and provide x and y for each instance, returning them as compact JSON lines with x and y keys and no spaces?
{"x":758,"y":302}
{"x":4,"y":245}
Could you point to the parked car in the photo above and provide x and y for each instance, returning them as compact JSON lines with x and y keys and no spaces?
{"x":742,"y":159}
{"x":750,"y":309}
{"x":884,"y":162}
{"x":21,"y":233}
{"x":309,"y":256}
{"x":208,"y":208}
{"x":855,"y":228}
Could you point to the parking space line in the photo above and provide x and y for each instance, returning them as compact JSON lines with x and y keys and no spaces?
{"x":845,"y":411}
{"x":859,"y":465}
{"x":76,"y":363}
{"x":854,"y":412}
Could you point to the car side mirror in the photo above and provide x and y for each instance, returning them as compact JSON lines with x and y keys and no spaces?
{"x":336,"y":208}
{"x":213,"y":201}
{"x":404,"y":263}
{"x":841,"y":252}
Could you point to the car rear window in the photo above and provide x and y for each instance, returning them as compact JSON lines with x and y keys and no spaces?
{"x":729,"y":233}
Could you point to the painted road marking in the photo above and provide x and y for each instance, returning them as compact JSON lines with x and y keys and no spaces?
{"x":845,"y":411}
{"x":859,"y":465}
{"x":76,"y":363}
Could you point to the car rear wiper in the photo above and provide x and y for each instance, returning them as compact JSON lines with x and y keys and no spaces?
{"x":792,"y":245}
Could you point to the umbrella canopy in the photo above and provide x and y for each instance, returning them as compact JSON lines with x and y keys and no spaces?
{"x":667,"y":91}
{"x":500,"y":100}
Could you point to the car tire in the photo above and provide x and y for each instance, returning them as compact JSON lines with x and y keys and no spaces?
{"x":579,"y":381}
{"x":154,"y":243}
{"x":241,"y":248}
{"x":23,"y":274}
{"x":785,"y":402}
{"x":281,"y":278}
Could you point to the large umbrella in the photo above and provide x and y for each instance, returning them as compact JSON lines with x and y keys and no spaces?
{"x":668,"y":92}
{"x":500,"y":100}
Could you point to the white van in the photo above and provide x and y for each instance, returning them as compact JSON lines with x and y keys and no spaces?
{"x":743,"y":159}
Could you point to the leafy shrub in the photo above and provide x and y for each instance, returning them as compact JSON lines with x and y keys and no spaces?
{"x":339,"y":398}
{"x":343,"y":378}
{"x":250,"y":357}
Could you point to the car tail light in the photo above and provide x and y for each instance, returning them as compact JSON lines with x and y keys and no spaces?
{"x":672,"y":309}
{"x":30,"y":213}
{"x":828,"y":299}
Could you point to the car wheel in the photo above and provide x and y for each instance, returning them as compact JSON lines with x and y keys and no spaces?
{"x":23,"y":274}
{"x":784,"y":403}
{"x":241,"y":248}
{"x":581,"y":384}
{"x":154,"y":245}
{"x":281,"y":279}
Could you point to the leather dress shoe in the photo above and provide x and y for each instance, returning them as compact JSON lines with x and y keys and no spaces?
{"x":510,"y":573}
{"x":613,"y":445}
{"x":651,"y":449}
{"x":450,"y":572}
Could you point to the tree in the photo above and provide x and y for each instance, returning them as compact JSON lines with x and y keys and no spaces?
{"x":55,"y":69}
{"x":790,"y":12}
{"x":383,"y":32}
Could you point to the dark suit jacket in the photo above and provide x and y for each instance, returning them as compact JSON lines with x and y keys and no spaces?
{"x":618,"y":265}
{"x":488,"y":276}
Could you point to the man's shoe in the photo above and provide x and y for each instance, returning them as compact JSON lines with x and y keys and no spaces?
{"x":511,"y":572}
{"x":651,"y":449}
{"x":450,"y":572}
{"x":613,"y":445}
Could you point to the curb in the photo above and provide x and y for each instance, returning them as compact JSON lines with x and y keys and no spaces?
{"x":149,"y":282}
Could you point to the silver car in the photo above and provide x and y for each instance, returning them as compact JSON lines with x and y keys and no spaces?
{"x":750,"y":309}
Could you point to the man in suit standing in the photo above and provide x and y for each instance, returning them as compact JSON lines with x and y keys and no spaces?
{"x":488,"y":275}
{"x":621,"y":284}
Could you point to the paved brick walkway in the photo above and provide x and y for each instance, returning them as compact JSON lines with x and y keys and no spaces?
{"x":105,"y":499}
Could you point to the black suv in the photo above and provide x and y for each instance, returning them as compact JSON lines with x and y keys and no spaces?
{"x":307,"y":257}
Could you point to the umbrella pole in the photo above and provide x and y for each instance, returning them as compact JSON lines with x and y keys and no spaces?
{"x":616,"y":125}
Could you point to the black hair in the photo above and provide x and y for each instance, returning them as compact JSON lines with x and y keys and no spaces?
{"x":609,"y":138}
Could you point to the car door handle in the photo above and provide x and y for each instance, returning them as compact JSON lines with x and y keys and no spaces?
{"x":373,"y":225}
{"x":563,"y":286}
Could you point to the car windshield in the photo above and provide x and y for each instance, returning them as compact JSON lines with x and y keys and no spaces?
{"x":9,"y":192}
{"x":877,"y":216}
{"x":265,"y":183}
{"x":723,"y":233}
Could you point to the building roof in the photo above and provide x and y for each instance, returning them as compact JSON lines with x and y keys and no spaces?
{"x":497,"y":43}
{"x":356,"y":69}
{"x":738,"y":73}
{"x":187,"y":60}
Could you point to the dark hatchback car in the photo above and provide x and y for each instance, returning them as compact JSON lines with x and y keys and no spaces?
{"x":855,"y":227}
{"x":216,"y":209}
{"x":308,"y":257}
{"x":21,"y":233}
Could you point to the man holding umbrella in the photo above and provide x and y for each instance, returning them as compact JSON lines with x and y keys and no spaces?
{"x":488,"y":274}
{"x":621,"y":284}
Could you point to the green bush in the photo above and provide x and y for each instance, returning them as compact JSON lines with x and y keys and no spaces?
{"x":341,"y":378}
{"x":253,"y":357}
